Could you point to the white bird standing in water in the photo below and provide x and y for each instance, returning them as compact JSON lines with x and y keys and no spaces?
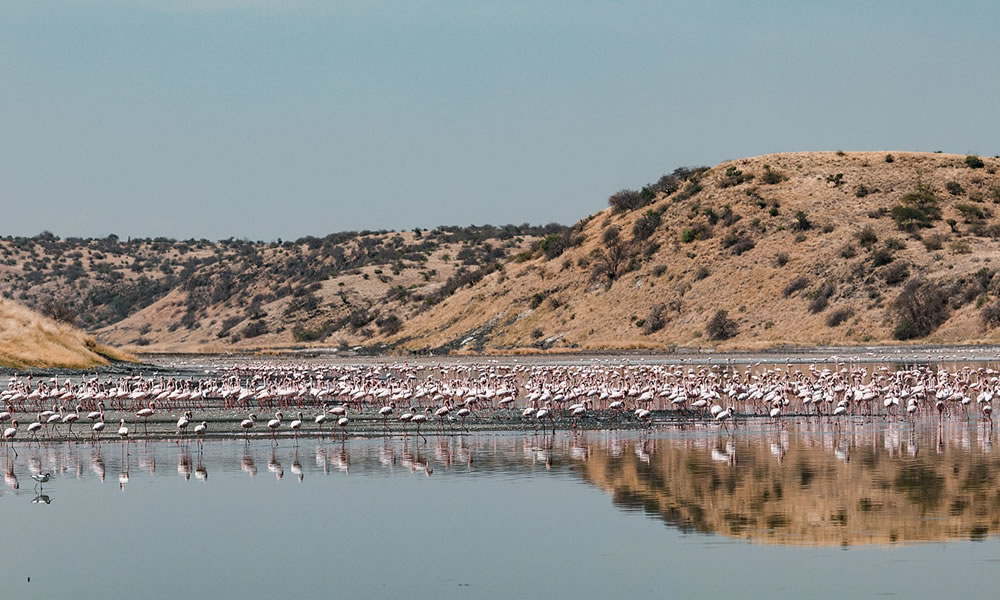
{"x":247,"y":424}
{"x":97,"y":428}
{"x":9,"y":433}
{"x":274,"y":424}
{"x":200,"y":430}
{"x":295,"y":425}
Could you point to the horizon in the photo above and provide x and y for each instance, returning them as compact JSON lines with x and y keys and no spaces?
{"x":247,"y":120}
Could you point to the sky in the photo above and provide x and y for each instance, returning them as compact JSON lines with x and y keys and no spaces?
{"x":271,"y":120}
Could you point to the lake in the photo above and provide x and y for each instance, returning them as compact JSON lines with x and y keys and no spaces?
{"x":804,"y":507}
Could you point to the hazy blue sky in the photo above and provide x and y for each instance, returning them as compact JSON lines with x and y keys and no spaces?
{"x":261,"y":119}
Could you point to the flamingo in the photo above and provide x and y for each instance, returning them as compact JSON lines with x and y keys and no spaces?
{"x":463,"y":413}
{"x":274,"y":424}
{"x":342,"y":422}
{"x":144,"y":414}
{"x":247,"y":424}
{"x":34,"y":427}
{"x":199,"y":430}
{"x":96,"y":429}
{"x":384,"y":412}
{"x":183,"y":422}
{"x":295,"y":425}
{"x":52,"y":419}
{"x":71,"y":418}
{"x":9,"y":433}
{"x":97,"y":414}
{"x":122,"y":430}
{"x":419,"y":419}
{"x":321,"y":417}
{"x":725,"y":416}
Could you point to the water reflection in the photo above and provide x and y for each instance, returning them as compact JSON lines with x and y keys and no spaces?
{"x":810,"y":482}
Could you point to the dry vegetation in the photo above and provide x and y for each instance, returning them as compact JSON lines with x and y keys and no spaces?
{"x":784,"y":249}
{"x":797,"y":249}
{"x":196,"y":295}
{"x":28,"y":339}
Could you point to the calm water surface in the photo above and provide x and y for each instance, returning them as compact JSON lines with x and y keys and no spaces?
{"x":807,"y":509}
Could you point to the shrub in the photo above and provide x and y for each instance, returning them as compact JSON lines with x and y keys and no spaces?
{"x":537,"y":333}
{"x":838,"y":316}
{"x":882,"y":256}
{"x":654,"y":321}
{"x":625,"y":200}
{"x":728,"y":216}
{"x":698,"y":232}
{"x":646,"y":225}
{"x":553,"y":245}
{"x":889,"y":158}
{"x":895,"y":273}
{"x":689,"y":191}
{"x":254,"y":329}
{"x":917,"y":209}
{"x":737,"y":242}
{"x":933,"y":242}
{"x":974,"y":162}
{"x":58,"y":310}
{"x":989,"y":316}
{"x":734,"y":177}
{"x":971,"y":213}
{"x":305,"y":334}
{"x":821,"y":297}
{"x":701,"y":273}
{"x":919,"y":309}
{"x":848,"y":251}
{"x":781,"y":259}
{"x":771,"y":177}
{"x":721,"y":327}
{"x":659,"y":270}
{"x":801,"y":221}
{"x":818,"y":304}
{"x":960,"y":247}
{"x":389,"y":325}
{"x":837,"y":180}
{"x":799,"y":283}
{"x":689,"y":173}
{"x":666,"y":185}
{"x":954,"y":188}
{"x":866,"y":237}
{"x":895,"y":244}
{"x":861,"y":191}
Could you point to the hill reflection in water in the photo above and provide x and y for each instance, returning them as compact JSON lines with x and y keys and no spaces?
{"x":801,"y":483}
{"x":812,"y":484}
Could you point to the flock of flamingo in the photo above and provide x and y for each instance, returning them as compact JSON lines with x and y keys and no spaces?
{"x":492,"y":393}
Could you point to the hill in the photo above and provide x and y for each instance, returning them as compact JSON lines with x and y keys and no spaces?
{"x":815,"y":248}
{"x":202,"y":296}
{"x":785,"y":249}
{"x":28,"y":339}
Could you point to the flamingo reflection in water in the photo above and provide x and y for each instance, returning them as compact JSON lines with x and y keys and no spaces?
{"x":274,"y":466}
{"x":247,"y":463}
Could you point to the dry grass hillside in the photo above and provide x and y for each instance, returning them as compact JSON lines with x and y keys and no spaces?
{"x":197,"y":295}
{"x":804,"y":249}
{"x":28,"y":339}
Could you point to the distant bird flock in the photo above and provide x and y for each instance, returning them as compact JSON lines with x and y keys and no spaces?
{"x":402,"y":397}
